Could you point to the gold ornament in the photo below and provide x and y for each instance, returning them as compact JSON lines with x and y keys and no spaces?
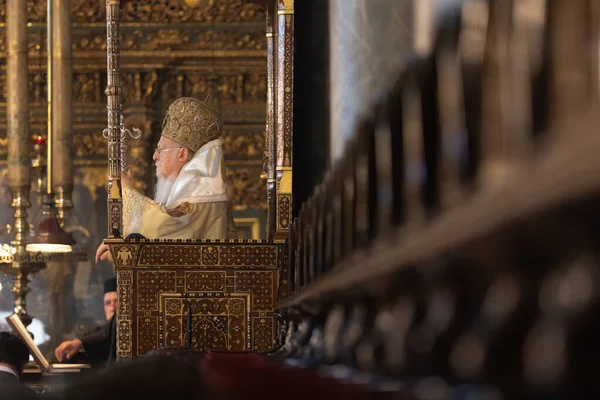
{"x":191,"y":123}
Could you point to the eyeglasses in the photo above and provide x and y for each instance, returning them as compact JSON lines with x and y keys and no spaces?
{"x":160,"y":151}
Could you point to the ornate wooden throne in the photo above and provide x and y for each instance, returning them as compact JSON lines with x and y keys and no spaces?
{"x":223,"y":293}
{"x":227,"y":290}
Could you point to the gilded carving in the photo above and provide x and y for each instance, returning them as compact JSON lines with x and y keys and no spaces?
{"x":175,"y":40}
{"x":89,"y":144}
{"x":255,"y":87}
{"x":124,"y":255}
{"x":3,"y":146}
{"x":246,"y":188}
{"x":250,"y":144}
{"x":153,"y":11}
{"x":288,"y":84}
{"x":228,"y":88}
{"x":87,"y":88}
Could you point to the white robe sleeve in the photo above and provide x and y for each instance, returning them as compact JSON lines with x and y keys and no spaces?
{"x":142,"y":215}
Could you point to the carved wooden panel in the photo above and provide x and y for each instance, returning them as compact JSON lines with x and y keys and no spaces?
{"x":230,"y":288}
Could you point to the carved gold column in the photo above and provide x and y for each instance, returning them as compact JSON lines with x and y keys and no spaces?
{"x":19,"y":147}
{"x":62,"y":110}
{"x":17,"y":110}
{"x":271,"y":117}
{"x":284,"y":117}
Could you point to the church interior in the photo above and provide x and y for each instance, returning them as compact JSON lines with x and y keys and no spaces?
{"x":412,"y":185}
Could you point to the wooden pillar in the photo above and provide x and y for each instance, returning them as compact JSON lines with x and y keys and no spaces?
{"x":270,"y":168}
{"x":284,"y":116}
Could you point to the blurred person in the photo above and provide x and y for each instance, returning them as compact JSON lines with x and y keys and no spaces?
{"x":159,"y":376}
{"x":14,"y":355}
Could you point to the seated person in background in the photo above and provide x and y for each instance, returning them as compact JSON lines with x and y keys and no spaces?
{"x":190,"y":200}
{"x":111,"y":299}
{"x":72,"y":348}
{"x":14,"y":355}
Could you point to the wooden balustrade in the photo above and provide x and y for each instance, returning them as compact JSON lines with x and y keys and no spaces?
{"x":456,"y":237}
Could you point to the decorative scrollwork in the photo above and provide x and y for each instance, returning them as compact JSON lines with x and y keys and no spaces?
{"x":153,"y":11}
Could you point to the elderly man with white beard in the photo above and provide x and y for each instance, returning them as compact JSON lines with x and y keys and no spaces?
{"x":190,"y":200}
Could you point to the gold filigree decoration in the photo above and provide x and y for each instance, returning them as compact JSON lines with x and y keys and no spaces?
{"x":250,"y":144}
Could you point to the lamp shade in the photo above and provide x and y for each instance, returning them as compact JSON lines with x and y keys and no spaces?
{"x":49,"y":236}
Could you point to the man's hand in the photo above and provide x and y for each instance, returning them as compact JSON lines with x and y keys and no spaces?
{"x":127,"y":179}
{"x":102,"y":253}
{"x":68,"y":349}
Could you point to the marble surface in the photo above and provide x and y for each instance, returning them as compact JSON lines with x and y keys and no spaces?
{"x":369,"y":40}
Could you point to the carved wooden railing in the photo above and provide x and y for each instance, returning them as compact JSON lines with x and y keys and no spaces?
{"x":453,"y":248}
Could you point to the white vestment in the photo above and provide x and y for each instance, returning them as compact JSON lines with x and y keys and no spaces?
{"x":197,"y":206}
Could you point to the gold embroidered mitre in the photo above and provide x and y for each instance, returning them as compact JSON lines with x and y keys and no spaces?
{"x":191,"y":123}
